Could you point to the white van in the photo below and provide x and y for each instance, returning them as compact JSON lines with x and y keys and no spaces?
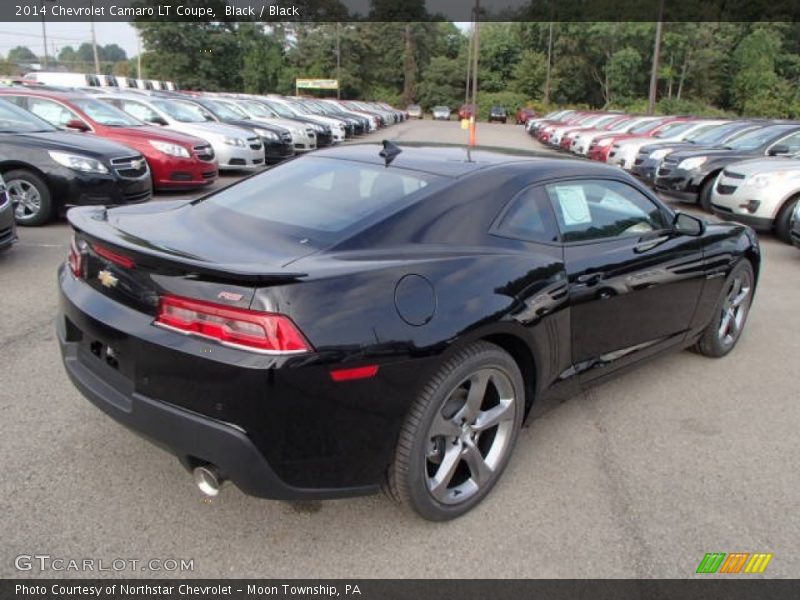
{"x":108,"y":81}
{"x":63,"y":79}
{"x":127,"y":82}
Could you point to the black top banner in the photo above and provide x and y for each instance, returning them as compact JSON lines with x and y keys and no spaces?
{"x":400,"y":10}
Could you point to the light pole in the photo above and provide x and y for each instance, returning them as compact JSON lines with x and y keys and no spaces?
{"x":549,"y":60}
{"x":651,"y":101}
{"x":138,"y":56}
{"x":94,"y":40}
{"x":338,"y":65}
{"x":474,"y":118}
{"x":469,"y":69}
{"x":44,"y":34}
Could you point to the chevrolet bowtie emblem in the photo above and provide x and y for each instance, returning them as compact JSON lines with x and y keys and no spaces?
{"x":107,"y":279}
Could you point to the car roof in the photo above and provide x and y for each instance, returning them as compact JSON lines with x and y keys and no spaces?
{"x":455,"y":161}
{"x":65,"y":95}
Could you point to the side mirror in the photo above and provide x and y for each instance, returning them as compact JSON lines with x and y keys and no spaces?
{"x":77,"y":125}
{"x":156,"y":120}
{"x":689,"y":224}
{"x":778,"y":149}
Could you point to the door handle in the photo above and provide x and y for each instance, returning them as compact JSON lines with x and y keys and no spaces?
{"x":648,"y":243}
{"x":590,"y":278}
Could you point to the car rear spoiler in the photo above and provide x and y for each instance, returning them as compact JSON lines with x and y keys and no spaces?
{"x":92,"y":223}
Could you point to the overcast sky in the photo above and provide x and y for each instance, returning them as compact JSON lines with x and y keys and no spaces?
{"x":65,"y":34}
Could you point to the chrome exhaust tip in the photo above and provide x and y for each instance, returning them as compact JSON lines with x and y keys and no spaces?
{"x":208,"y":479}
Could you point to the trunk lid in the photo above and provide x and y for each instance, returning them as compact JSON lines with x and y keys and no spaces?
{"x":137,"y":254}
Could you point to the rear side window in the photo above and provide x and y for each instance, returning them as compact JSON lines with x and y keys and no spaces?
{"x":322,"y":197}
{"x":528,"y":218}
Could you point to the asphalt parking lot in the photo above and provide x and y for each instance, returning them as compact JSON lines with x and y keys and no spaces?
{"x":638,"y":478}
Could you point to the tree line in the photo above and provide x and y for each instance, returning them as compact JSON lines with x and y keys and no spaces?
{"x":707,"y":68}
{"x":113,"y":59}
{"x":749,"y":69}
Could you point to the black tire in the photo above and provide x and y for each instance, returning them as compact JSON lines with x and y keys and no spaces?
{"x":712,"y":342}
{"x":22,"y":180}
{"x":409,"y":477}
{"x":783,"y":222}
{"x":704,"y":198}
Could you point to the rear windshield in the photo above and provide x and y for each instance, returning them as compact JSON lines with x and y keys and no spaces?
{"x":314,"y":197}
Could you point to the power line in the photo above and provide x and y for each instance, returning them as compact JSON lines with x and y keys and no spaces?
{"x":37,"y":36}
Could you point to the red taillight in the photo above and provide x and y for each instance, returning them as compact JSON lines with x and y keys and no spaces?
{"x":356,"y":373}
{"x":269,"y":333}
{"x":118,"y":259}
{"x":75,"y":259}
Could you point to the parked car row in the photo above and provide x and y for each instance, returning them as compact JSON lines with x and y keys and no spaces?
{"x":745,"y":170}
{"x":65,"y":146}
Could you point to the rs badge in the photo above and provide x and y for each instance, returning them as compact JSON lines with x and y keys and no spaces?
{"x":107,"y":279}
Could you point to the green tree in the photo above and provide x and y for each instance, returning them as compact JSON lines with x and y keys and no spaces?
{"x":442,"y":83}
{"x":21,"y":53}
{"x":756,"y":87}
{"x":529,"y":74}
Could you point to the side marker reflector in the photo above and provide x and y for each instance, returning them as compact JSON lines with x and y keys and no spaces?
{"x":357,"y":373}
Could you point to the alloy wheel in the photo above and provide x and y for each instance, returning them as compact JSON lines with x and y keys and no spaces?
{"x":470,"y":436}
{"x":734,"y":308}
{"x":25,"y":198}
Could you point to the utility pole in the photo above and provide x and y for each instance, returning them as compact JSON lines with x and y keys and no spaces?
{"x":44,"y":35}
{"x":338,"y":64}
{"x":473,"y":119}
{"x":94,"y":40}
{"x":549,"y":61}
{"x":469,"y":68}
{"x":138,"y":56}
{"x":651,"y":102}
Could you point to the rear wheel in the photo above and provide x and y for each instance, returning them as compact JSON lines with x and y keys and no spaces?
{"x":459,"y":433}
{"x":783,"y":222}
{"x":33,"y":204}
{"x":730,"y":315}
{"x":704,"y":199}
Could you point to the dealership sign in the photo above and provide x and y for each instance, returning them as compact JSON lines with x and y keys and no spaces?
{"x":317,"y":84}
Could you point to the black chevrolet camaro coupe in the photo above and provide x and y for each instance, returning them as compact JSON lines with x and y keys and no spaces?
{"x":369,"y":316}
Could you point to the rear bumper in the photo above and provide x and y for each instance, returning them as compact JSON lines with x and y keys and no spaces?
{"x":193,"y":438}
{"x":274,"y":426}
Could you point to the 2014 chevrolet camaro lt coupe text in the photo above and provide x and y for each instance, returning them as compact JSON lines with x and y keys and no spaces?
{"x":369,"y":315}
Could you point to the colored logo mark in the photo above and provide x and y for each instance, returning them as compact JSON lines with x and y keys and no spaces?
{"x":735,"y":562}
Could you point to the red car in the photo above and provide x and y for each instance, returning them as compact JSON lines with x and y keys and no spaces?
{"x":601,"y":145}
{"x":176,"y":160}
{"x":568,"y":136}
{"x":466,"y":110}
{"x":577,"y":120}
{"x":523,"y":114}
